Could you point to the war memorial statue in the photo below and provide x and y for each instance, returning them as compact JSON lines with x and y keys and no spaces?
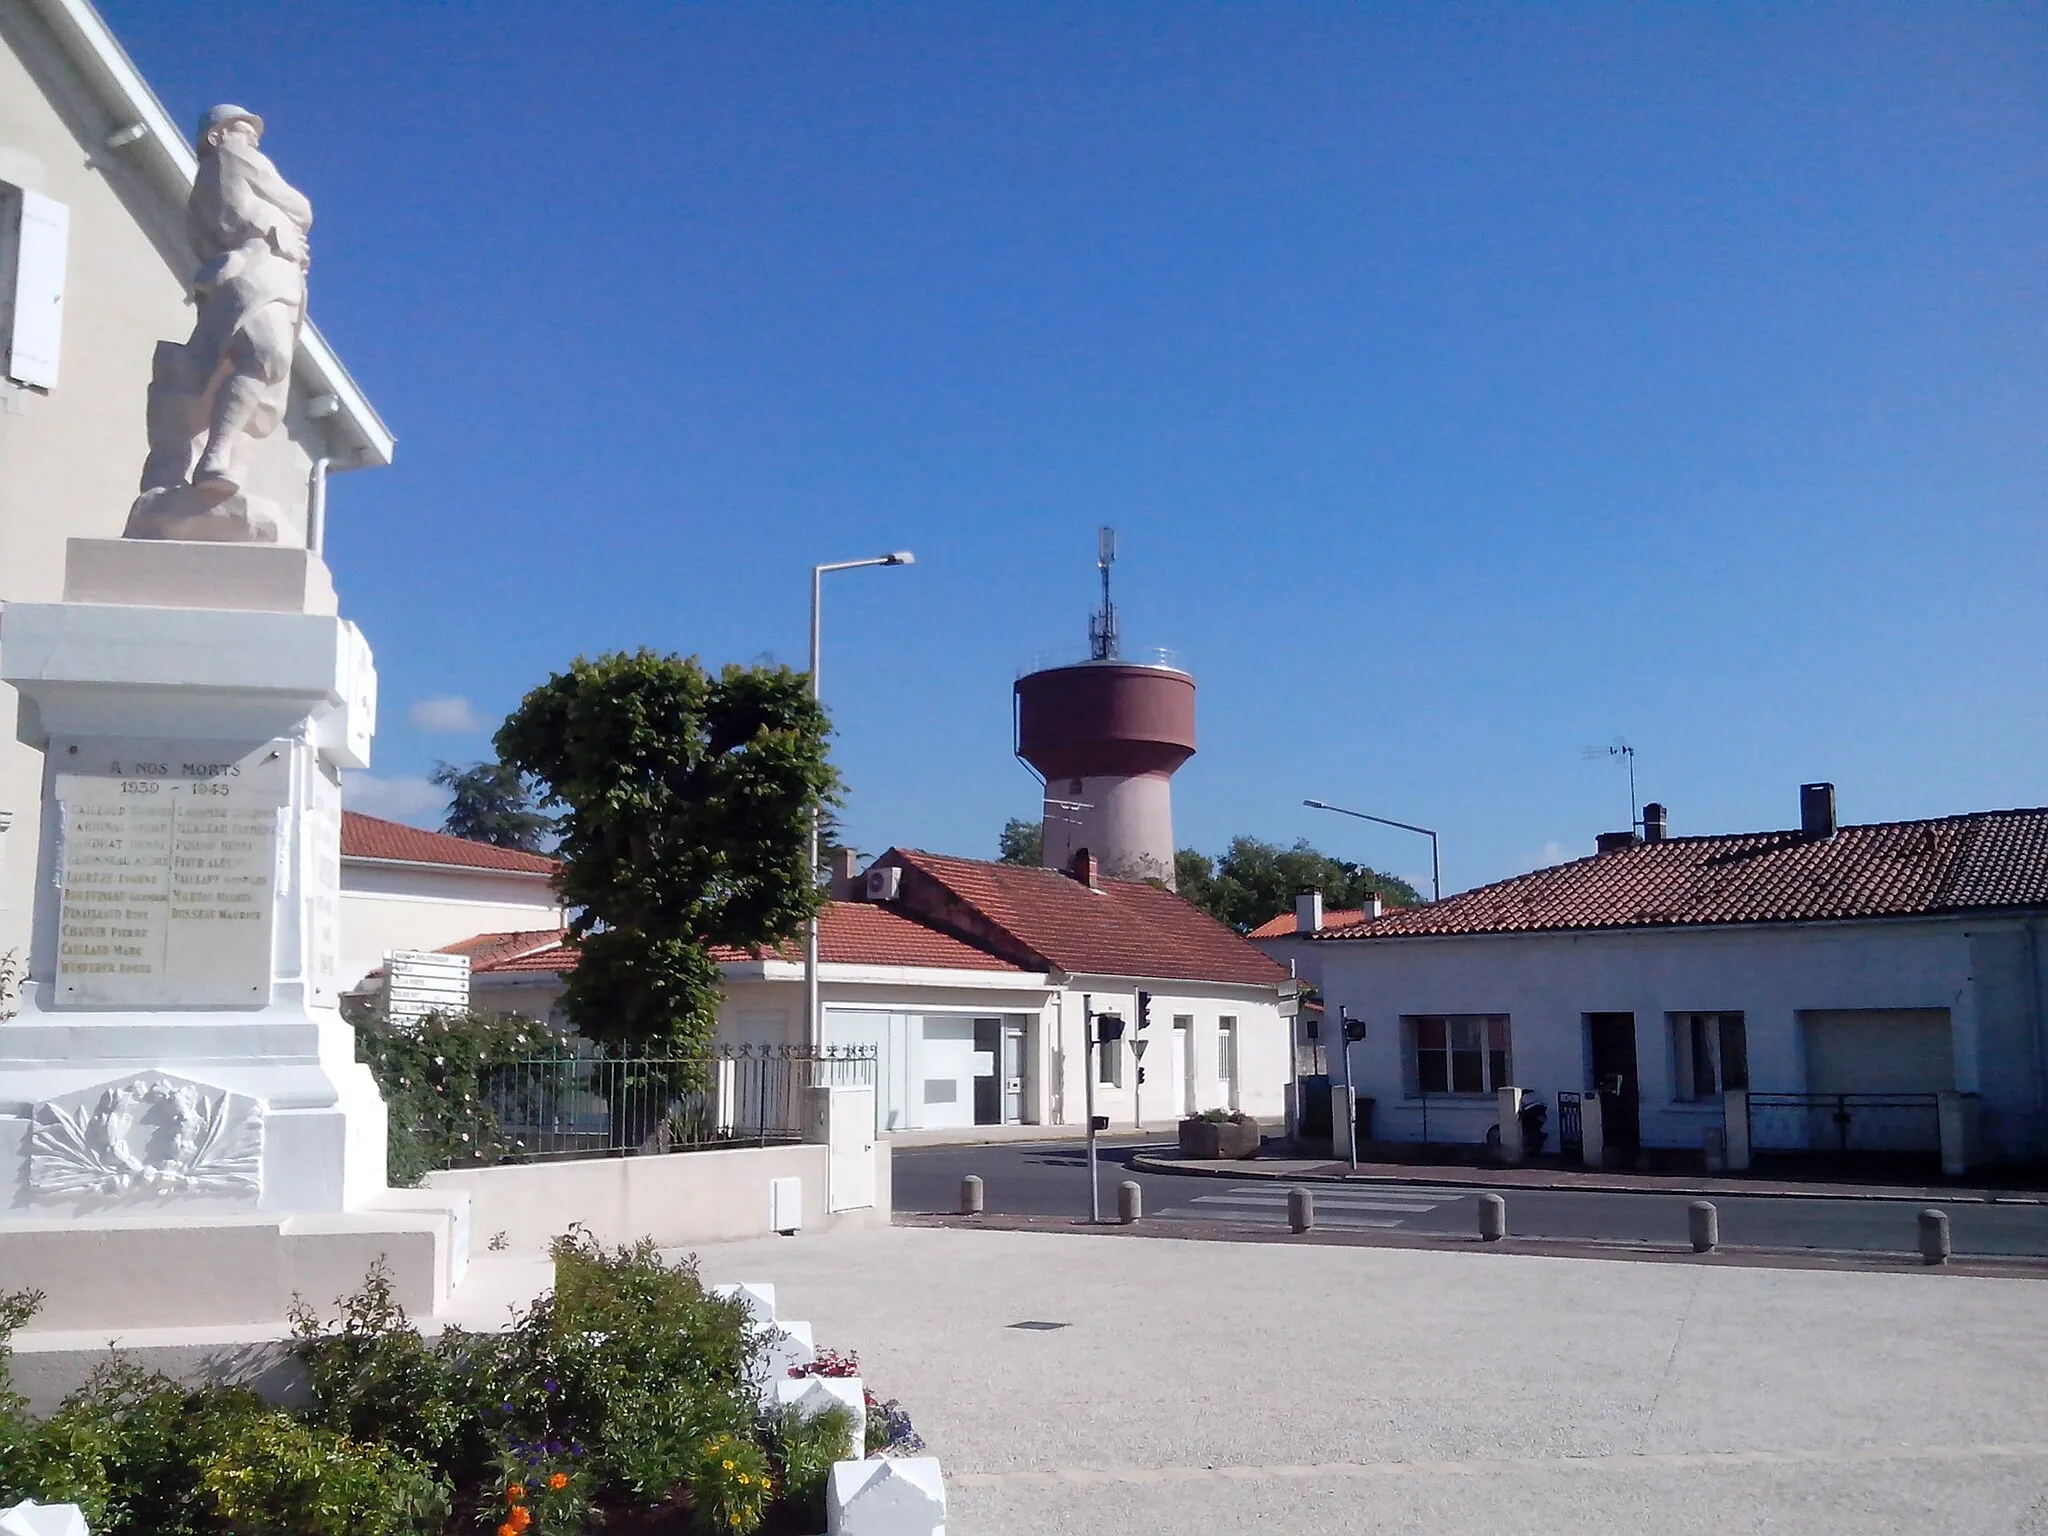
{"x":231,"y":380}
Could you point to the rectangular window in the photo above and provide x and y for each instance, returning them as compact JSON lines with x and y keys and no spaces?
{"x":1710,"y":1054}
{"x":1109,"y":1064}
{"x":1460,"y":1053}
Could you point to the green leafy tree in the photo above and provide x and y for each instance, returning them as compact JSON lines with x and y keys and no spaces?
{"x":493,"y":803}
{"x":1023,"y":842}
{"x":687,"y":798}
{"x":1256,"y":880}
{"x":1194,"y":876}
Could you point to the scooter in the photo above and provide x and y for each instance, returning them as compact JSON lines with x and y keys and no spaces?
{"x":1535,"y":1118}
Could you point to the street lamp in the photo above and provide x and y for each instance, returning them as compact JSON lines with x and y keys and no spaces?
{"x":1436,"y":869}
{"x":814,"y":1018}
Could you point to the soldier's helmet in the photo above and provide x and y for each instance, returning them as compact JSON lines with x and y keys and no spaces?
{"x":226,"y":112}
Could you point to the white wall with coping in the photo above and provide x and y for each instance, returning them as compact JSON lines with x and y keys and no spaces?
{"x":1264,"y":1051}
{"x":1988,"y":973}
{"x":677,"y":1198}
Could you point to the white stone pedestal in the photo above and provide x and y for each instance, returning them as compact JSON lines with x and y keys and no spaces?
{"x":185,"y":1134}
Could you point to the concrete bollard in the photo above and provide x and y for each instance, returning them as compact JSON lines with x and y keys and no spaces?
{"x":1301,"y":1209}
{"x":1130,"y":1201}
{"x":970,"y":1195}
{"x":1705,"y":1223}
{"x":1493,"y":1218}
{"x":1934,"y":1244}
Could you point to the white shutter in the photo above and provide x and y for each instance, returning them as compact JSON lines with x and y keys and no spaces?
{"x":37,"y":331}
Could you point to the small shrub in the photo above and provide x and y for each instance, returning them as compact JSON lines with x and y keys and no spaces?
{"x":730,"y":1482}
{"x":1224,"y":1117}
{"x":439,"y":1078}
{"x":273,"y":1476}
{"x":804,"y":1451}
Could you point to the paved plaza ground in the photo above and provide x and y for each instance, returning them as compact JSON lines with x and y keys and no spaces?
{"x":1239,"y":1387}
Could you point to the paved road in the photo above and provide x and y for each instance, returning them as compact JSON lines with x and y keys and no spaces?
{"x":1049,"y":1179}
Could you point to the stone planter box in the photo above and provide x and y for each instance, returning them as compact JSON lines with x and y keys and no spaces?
{"x":1218,"y":1138}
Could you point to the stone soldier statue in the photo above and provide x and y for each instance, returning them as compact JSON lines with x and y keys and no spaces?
{"x":231,"y":380}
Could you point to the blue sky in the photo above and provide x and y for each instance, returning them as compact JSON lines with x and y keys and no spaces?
{"x":1470,"y":386}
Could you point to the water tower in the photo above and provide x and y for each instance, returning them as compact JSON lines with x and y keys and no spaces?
{"x":1106,"y":735}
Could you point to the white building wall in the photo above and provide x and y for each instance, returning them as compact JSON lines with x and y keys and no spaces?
{"x":394,"y":906}
{"x":1263,"y":1054}
{"x":1547,"y":983}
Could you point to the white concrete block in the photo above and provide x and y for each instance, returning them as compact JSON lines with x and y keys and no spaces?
{"x":886,"y":1496}
{"x":759,"y":1296}
{"x":28,"y":1518}
{"x":786,"y":1345}
{"x":813,"y":1395}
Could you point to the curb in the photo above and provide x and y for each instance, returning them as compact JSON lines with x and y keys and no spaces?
{"x":1703,"y":1191}
{"x":1728,"y":1256}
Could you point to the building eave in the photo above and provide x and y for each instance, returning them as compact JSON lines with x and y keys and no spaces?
{"x":166,"y":159}
{"x":544,"y":877}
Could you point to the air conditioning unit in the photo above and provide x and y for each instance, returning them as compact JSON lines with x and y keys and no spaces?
{"x":885,"y":883}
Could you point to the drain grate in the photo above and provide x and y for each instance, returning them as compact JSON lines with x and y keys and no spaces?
{"x":1040,"y":1327}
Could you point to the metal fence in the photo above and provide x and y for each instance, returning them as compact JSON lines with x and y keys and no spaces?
{"x":1845,"y":1124}
{"x":571,"y":1105}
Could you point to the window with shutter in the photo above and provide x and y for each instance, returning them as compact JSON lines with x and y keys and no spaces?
{"x":34,"y":230}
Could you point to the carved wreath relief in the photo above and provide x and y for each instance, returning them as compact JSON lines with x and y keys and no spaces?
{"x":151,"y":1136}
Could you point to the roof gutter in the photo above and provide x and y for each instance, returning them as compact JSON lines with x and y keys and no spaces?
{"x":166,"y":158}
{"x":459,"y":869}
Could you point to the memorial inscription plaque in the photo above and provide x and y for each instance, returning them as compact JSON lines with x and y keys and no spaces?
{"x":168,"y":862}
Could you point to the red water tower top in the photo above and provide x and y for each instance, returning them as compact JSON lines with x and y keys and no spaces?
{"x":1105,"y":718}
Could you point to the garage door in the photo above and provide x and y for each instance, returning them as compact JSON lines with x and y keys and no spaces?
{"x":1879,"y":1050}
{"x":1890,"y":1062}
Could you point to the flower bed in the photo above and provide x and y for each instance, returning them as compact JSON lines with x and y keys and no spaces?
{"x":625,"y":1400}
{"x":1219,"y":1133}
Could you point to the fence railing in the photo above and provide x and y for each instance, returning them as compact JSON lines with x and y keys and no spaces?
{"x":1844,"y":1123}
{"x":570,"y":1105}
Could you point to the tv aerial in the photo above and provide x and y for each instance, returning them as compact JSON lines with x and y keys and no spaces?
{"x":1619,"y":748}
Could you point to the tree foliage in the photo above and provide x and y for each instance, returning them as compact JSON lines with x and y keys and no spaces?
{"x":686,"y":800}
{"x":1256,"y":880}
{"x":1023,"y":842}
{"x":493,"y":803}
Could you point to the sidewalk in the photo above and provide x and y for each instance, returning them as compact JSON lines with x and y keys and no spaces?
{"x":1585,"y":1181}
{"x":1268,"y":1389}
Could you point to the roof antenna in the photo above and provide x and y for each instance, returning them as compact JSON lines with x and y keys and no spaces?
{"x":1102,"y":636}
{"x":1621,"y":749}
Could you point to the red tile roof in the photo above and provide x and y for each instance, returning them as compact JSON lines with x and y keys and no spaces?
{"x":1989,"y":860}
{"x":849,"y":933}
{"x":1282,"y":927}
{"x":371,"y":837}
{"x":1044,"y":918}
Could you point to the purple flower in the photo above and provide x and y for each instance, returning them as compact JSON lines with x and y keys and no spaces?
{"x":550,"y":1386}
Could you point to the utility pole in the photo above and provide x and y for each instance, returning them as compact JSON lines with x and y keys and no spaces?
{"x":1111,"y":1030}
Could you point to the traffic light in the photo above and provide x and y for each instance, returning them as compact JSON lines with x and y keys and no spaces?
{"x":1354,"y":1029}
{"x":1108,"y":1027}
{"x":1141,"y":1077}
{"x":1144,"y":1010}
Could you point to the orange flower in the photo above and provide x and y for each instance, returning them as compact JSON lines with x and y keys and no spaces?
{"x":508,"y":1530}
{"x":559,"y":1480}
{"x":519,"y":1519}
{"x":515,"y":1493}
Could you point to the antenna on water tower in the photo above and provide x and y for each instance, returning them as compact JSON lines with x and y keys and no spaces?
{"x":1102,"y":636}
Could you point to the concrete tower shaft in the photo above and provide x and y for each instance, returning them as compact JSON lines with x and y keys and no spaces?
{"x":1107,"y":736}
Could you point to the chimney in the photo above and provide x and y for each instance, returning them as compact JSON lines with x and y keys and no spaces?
{"x":1308,"y":911}
{"x":1613,"y":842}
{"x":1372,"y":906}
{"x":842,"y":866}
{"x":1655,"y":829}
{"x":1084,"y":868}
{"x":1817,"y":810}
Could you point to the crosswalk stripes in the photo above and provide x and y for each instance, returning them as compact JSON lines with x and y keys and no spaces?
{"x":1265,"y":1206}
